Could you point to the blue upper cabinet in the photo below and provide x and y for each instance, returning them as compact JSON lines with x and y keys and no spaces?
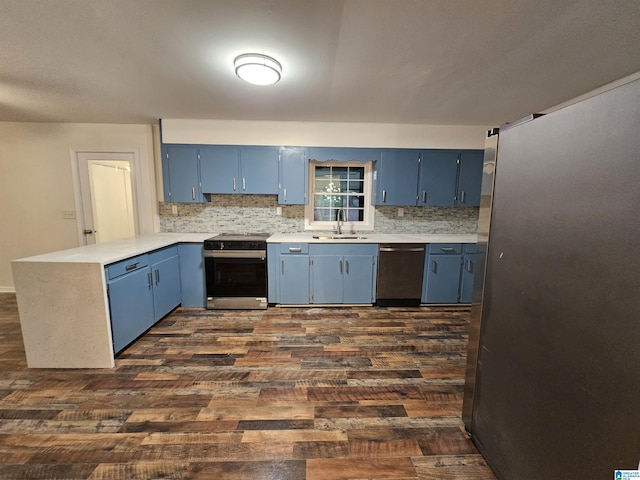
{"x":292,"y":176}
{"x":220,"y":169}
{"x":259,"y":170}
{"x":438,"y":175}
{"x":397,"y":177}
{"x":180,"y":174}
{"x":470,"y":178}
{"x":232,"y":169}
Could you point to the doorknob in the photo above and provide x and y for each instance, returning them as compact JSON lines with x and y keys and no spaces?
{"x":86,"y":231}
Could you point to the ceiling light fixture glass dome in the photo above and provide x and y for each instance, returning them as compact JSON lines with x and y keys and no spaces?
{"x":258,"y":69}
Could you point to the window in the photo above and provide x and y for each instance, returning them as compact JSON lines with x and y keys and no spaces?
{"x":336,"y":186}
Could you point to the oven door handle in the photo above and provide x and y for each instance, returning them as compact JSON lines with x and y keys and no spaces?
{"x":235,"y":254}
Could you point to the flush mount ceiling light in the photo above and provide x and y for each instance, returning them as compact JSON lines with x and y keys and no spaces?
{"x":258,"y":69}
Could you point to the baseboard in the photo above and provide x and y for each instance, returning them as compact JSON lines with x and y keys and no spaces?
{"x":7,"y":289}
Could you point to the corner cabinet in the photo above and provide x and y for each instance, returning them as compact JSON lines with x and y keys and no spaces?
{"x":448,"y":273}
{"x":181,"y":174}
{"x":141,"y":290}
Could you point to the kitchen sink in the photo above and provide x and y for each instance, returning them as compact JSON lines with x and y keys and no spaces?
{"x":338,"y":237}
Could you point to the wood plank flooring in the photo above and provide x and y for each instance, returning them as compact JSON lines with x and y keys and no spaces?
{"x":286,"y":394}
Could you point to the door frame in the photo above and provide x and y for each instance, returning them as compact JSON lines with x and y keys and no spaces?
{"x":136,"y":186}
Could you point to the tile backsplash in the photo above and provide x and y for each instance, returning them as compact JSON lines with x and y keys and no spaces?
{"x":257,"y":213}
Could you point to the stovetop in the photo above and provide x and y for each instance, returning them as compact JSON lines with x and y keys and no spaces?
{"x":237,"y":241}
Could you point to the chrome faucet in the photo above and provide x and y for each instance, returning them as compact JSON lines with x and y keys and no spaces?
{"x":340,"y":219}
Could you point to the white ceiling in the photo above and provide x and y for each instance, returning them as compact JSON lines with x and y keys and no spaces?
{"x":451,"y":62}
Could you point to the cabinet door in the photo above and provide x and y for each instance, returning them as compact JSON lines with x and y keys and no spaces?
{"x":259,"y":168}
{"x":181,"y":166}
{"x":438,"y":175}
{"x":131,"y":306}
{"x":466,"y":281}
{"x":442,"y":279}
{"x":166,"y":286}
{"x":192,"y":283}
{"x":470,"y":178}
{"x":397,"y":182}
{"x":327,"y":279}
{"x":220,"y":169}
{"x":358,"y":279}
{"x":293,"y":181}
{"x":294,"y":279}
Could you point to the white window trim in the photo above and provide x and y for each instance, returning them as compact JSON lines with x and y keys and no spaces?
{"x":367,"y":225}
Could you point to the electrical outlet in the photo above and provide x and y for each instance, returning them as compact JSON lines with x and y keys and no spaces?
{"x":69,"y":214}
{"x":279,"y":211}
{"x":401,"y":212}
{"x":174,"y":209}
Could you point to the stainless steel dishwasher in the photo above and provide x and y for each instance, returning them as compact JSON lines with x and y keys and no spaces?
{"x":400,"y":271}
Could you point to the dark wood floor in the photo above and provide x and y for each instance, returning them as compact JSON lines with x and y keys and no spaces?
{"x":286,"y":394}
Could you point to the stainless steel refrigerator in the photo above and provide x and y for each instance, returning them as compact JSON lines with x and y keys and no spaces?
{"x":553,"y":383}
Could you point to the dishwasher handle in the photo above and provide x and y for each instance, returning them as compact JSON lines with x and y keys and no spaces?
{"x":401,"y":249}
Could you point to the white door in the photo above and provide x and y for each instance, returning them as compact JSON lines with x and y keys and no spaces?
{"x":108,"y":196}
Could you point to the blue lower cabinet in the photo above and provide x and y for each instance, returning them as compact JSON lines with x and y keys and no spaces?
{"x":192,"y":280}
{"x":327,"y":279}
{"x":294,"y":279}
{"x":165,"y":269}
{"x":359,"y":278}
{"x":131,"y":306}
{"x":448,"y":273}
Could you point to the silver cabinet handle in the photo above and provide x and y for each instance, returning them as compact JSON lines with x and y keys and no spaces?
{"x":150,"y":280}
{"x":295,"y":249}
{"x":234,"y":184}
{"x":244,"y":184}
{"x":157,"y":276}
{"x":282,"y":266}
{"x":285,"y":194}
{"x":434,"y":266}
{"x":131,"y":266}
{"x":340,"y":266}
{"x":469,"y":266}
{"x":384,"y":196}
{"x":424,"y":196}
{"x":346,"y":266}
{"x":463,"y":196}
{"x":193,"y":193}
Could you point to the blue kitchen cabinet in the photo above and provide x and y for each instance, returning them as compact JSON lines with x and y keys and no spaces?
{"x":343,"y":273}
{"x":470,"y":178}
{"x":327,"y":283}
{"x":192,"y":279}
{"x":292,"y":177}
{"x":468,"y":267}
{"x":441,"y":283}
{"x":438,"y":177}
{"x":130,"y":291}
{"x":293,"y":273}
{"x":181,"y":179}
{"x":232,"y":169}
{"x":259,"y":170}
{"x":396,"y":177}
{"x":165,"y":268}
{"x":220,"y":169}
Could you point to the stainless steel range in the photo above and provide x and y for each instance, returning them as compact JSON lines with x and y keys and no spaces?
{"x":236,"y":270}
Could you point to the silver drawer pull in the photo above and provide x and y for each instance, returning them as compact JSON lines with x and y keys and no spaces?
{"x":131,"y":266}
{"x":448,"y":249}
{"x":295,"y":249}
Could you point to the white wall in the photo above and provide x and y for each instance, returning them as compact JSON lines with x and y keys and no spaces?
{"x":36,"y":183}
{"x":322,"y":134}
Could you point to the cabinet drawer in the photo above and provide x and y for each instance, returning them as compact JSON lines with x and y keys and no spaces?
{"x":470,"y":248}
{"x":445,"y":248}
{"x":163,"y":254}
{"x":125,"y":266}
{"x":294,"y":248}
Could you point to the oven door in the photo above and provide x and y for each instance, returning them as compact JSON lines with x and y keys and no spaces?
{"x":236,"y":278}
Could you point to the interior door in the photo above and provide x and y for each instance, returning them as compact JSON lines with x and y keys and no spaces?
{"x":107,"y":193}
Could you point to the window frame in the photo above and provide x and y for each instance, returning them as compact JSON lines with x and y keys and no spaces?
{"x":369,"y":210}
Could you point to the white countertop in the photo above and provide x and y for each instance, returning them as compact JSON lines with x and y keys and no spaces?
{"x":105,"y":253}
{"x":364,"y":237}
